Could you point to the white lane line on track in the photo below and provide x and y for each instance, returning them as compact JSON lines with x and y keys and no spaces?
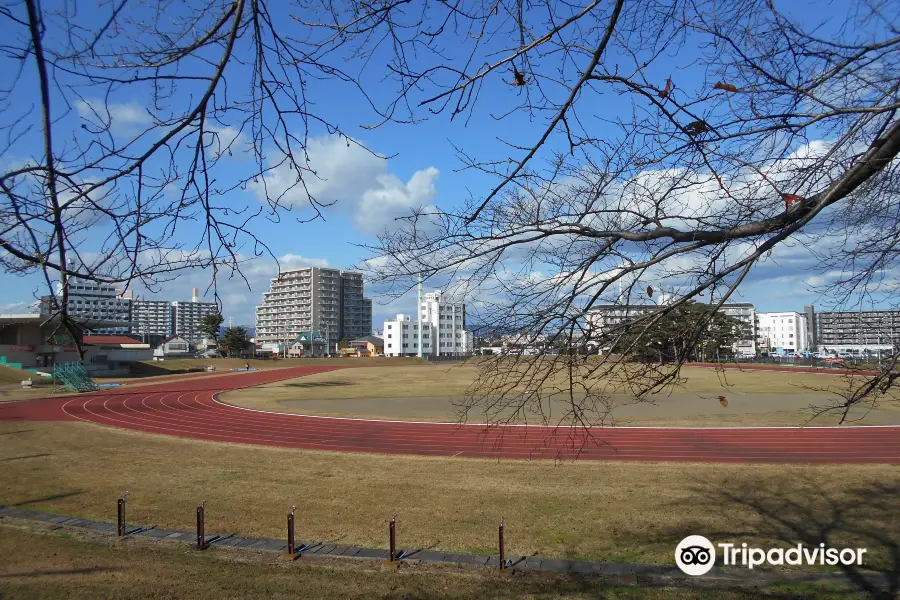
{"x":279,"y":432}
{"x":616,"y":438}
{"x":604,"y":428}
{"x":214,"y":398}
{"x":640,"y":453}
{"x":532,"y":453}
{"x":657,"y":453}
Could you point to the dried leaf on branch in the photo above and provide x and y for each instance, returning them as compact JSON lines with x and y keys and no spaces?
{"x":726,"y":87}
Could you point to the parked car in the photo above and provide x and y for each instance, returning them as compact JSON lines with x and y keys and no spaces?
{"x":834,"y":360}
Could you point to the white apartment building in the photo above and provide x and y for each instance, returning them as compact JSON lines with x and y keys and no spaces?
{"x":444,"y":330}
{"x":782,"y":332}
{"x":188,"y":316}
{"x":448,"y":321}
{"x":152,"y":318}
{"x":401,"y":337}
{"x":89,"y":302}
{"x":313,"y":300}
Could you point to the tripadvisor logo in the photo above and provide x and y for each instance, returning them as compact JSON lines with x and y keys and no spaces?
{"x":695,"y":555}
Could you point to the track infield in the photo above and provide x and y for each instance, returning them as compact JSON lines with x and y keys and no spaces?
{"x":189,"y":408}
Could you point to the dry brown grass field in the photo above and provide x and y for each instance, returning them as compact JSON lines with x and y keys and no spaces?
{"x":605,"y":511}
{"x":756,"y":398}
{"x":453,"y":380}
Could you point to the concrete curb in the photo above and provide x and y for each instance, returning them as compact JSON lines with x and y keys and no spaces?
{"x":632,"y":573}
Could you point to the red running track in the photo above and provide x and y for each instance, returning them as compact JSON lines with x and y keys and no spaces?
{"x":189,"y":408}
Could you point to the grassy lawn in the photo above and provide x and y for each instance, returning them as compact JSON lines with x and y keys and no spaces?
{"x":9,"y":375}
{"x":453,"y":380}
{"x":11,"y":385}
{"x":39,"y":563}
{"x":756,"y":398}
{"x":632,"y":512}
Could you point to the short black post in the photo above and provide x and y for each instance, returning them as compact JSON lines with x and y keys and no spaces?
{"x":121,"y":514}
{"x":121,"y":517}
{"x":502,"y":548}
{"x":201,"y":524}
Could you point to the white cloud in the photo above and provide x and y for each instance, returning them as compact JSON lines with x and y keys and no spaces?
{"x":296,"y":261}
{"x":122,"y":119}
{"x":355,"y":180}
{"x":16,"y":307}
{"x":381,"y":205}
{"x":220,"y":140}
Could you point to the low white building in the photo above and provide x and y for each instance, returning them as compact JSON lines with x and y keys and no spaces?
{"x":444,"y":330}
{"x":112,"y":353}
{"x":401,"y":337}
{"x":782,"y":332}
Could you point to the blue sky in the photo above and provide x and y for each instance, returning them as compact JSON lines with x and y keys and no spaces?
{"x":370,"y":192}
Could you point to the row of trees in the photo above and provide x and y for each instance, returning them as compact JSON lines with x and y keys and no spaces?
{"x":691,"y":331}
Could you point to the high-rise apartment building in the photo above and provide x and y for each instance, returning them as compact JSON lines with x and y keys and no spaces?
{"x":367,"y":315}
{"x":152,"y":319}
{"x":856,"y":331}
{"x":328,"y":302}
{"x":89,"y":301}
{"x":188,"y":316}
{"x":356,"y":311}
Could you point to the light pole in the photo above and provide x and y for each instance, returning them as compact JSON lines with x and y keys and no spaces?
{"x":419,"y":315}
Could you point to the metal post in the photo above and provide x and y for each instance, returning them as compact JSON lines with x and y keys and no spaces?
{"x":419,"y":318}
{"x":201,"y":534}
{"x":502,"y":548}
{"x":291,"y":533}
{"x":393,"y":530}
{"x":292,"y":549}
{"x":121,"y":517}
{"x":121,"y":513}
